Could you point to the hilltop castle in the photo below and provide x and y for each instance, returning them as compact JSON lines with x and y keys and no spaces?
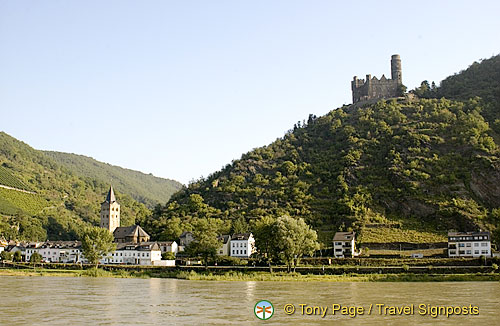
{"x":374,"y":88}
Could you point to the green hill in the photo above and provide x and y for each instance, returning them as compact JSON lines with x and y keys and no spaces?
{"x":393,"y":171}
{"x":145,"y":188}
{"x":62,"y":202}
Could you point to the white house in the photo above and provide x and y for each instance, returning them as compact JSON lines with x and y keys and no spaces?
{"x":57,"y":251}
{"x":242,"y":245}
{"x":226,"y":241}
{"x":146,"y":253}
{"x":469,"y":244}
{"x":344,"y":245}
{"x":168,"y":246}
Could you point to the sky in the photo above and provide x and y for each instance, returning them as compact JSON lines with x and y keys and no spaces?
{"x":181,"y":88}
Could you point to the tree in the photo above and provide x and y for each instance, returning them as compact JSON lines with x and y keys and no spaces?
{"x":36,"y":258}
{"x":264,"y":232}
{"x":294,"y":239}
{"x":17,"y":257}
{"x":97,"y":243}
{"x":172,"y":230}
{"x":5,"y":255}
{"x":205,"y":242}
{"x":239,"y":226}
{"x":168,"y":256}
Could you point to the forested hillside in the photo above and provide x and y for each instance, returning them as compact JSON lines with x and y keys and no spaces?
{"x":393,"y":171}
{"x":145,"y":188}
{"x":60,"y":202}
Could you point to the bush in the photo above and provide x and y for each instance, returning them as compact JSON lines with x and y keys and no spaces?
{"x":231,"y":261}
{"x":36,"y":258}
{"x":4,"y":255}
{"x":168,"y":256}
{"x":17,"y":257}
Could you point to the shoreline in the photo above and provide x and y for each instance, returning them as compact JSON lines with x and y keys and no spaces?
{"x":255,"y":276}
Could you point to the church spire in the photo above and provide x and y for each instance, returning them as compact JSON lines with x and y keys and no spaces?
{"x":110,"y":198}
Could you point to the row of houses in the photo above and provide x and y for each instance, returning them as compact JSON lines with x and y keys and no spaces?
{"x":135,"y":251}
{"x":460,"y":244}
{"x":144,"y":253}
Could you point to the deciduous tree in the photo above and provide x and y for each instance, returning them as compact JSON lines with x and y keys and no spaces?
{"x":97,"y":243}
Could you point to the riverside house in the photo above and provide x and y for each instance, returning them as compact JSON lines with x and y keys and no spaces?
{"x":226,"y":240}
{"x":56,"y":251}
{"x":146,"y":253}
{"x":469,"y":244}
{"x":242,"y":245}
{"x":344,"y":245}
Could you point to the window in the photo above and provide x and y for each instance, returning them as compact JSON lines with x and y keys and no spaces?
{"x":468,"y":245}
{"x":468,"y":252}
{"x":147,"y":254}
{"x":476,"y":252}
{"x":245,"y":252}
{"x":484,"y":251}
{"x":484,"y":244}
{"x":233,"y":251}
{"x":461,"y":244}
{"x":476,"y":244}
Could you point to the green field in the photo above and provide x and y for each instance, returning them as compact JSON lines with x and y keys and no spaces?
{"x":13,"y":202}
{"x":7,"y":179}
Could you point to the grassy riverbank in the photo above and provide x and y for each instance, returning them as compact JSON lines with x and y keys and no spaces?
{"x":255,"y":276}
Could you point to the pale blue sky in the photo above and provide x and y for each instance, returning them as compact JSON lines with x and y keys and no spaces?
{"x":181,"y":88}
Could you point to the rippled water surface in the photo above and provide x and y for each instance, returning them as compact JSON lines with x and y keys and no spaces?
{"x":112,"y":301}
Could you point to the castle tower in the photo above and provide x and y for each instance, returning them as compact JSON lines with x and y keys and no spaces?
{"x":110,"y":212}
{"x":396,"y":72}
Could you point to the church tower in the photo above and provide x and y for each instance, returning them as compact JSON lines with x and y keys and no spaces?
{"x":110,"y":212}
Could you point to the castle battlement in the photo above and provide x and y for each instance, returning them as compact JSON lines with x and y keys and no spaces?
{"x":373,"y":88}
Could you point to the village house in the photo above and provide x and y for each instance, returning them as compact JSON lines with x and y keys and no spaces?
{"x":224,"y":250}
{"x":469,"y":244}
{"x":57,"y":251}
{"x":185,"y":239}
{"x":145,"y":254}
{"x":168,"y":246}
{"x":344,"y":245}
{"x":242,"y":245}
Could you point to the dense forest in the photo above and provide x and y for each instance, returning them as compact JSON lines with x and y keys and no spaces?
{"x":407,"y":170}
{"x":56,"y":202}
{"x":145,"y":188}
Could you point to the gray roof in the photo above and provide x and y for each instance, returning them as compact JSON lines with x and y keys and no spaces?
{"x":454,"y":234}
{"x":110,"y":198}
{"x":343,"y":236}
{"x":62,"y":244}
{"x":165,"y":243}
{"x":241,"y":236}
{"x":224,"y":238}
{"x":185,"y":233}
{"x":129,"y":231}
{"x":144,"y":246}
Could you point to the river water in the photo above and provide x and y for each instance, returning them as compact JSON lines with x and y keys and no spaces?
{"x":113,"y":301}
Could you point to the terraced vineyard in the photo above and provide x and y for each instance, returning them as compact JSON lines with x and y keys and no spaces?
{"x":7,"y":179}
{"x":13,"y":202}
